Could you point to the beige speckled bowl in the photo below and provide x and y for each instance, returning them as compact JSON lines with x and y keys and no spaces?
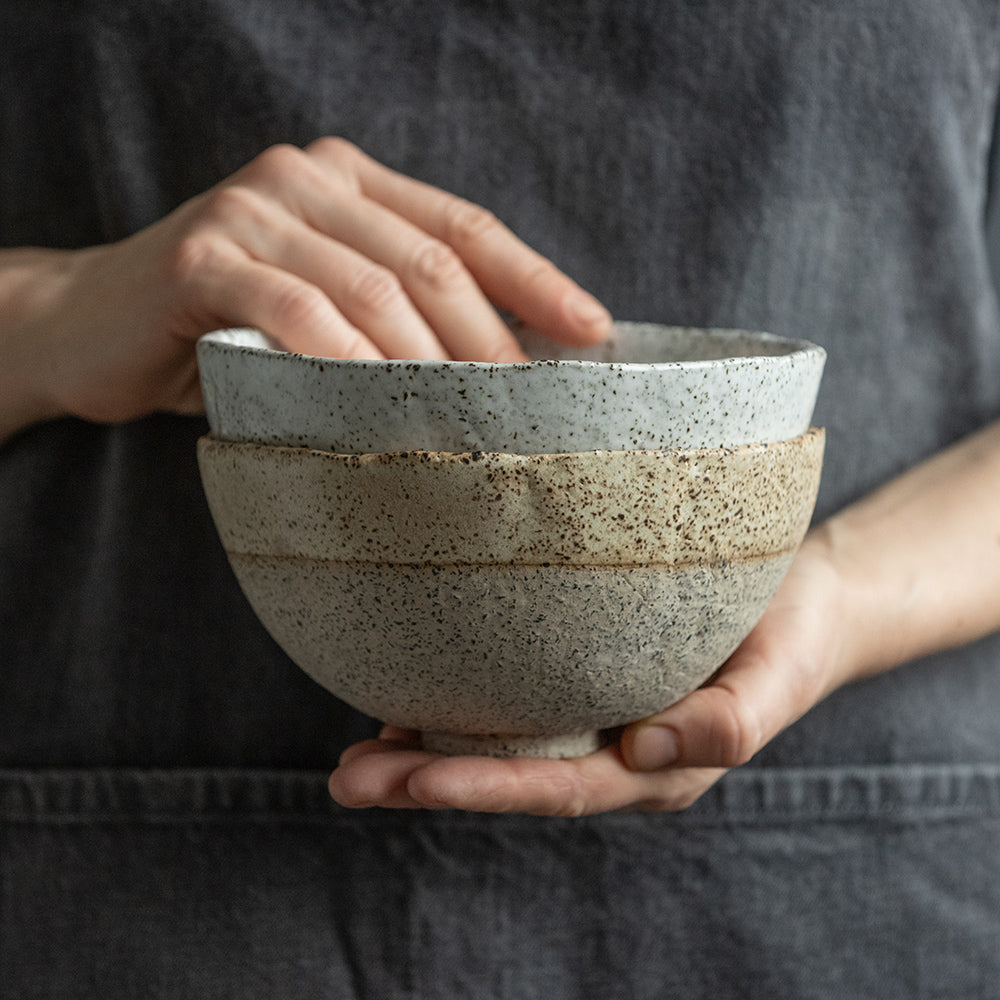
{"x":511,"y":604}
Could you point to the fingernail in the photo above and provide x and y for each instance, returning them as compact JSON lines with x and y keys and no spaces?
{"x":653,"y":747}
{"x":587,"y":311}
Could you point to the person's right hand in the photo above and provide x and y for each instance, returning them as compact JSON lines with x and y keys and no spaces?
{"x":327,"y":251}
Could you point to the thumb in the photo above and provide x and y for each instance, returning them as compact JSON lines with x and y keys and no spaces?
{"x":721,"y":725}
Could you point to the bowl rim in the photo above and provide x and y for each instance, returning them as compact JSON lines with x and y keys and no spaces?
{"x":254,"y":342}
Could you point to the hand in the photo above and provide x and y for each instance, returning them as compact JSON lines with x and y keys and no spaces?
{"x":904,"y":572}
{"x":789,"y":662}
{"x":326,"y":250}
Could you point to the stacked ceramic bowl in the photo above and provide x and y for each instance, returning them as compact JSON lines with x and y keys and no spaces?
{"x":512,"y":558}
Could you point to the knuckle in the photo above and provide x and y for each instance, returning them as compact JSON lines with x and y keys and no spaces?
{"x":229,"y":202}
{"x":298,"y":305}
{"x":467,"y":223}
{"x":338,"y":161}
{"x":374,"y":289}
{"x":277,"y":163}
{"x":190,"y":258}
{"x":737,"y":733}
{"x":572,"y":794}
{"x":335,"y":149}
{"x":438,"y":266}
{"x":573,"y":803}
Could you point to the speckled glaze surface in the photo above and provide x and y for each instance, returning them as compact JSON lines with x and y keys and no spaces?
{"x":511,"y":604}
{"x":649,"y":387}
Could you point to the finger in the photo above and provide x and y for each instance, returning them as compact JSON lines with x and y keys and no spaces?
{"x":185,"y":392}
{"x":433,"y":276}
{"x":321,"y":188}
{"x":721,"y":725}
{"x":389,"y":738}
{"x":369,"y":296}
{"x":582,"y":786}
{"x":381,"y":773}
{"x":366,"y":748}
{"x":396,"y":734}
{"x":376,"y":773}
{"x":569,"y":788}
{"x":235,"y":289}
{"x":509,"y":272}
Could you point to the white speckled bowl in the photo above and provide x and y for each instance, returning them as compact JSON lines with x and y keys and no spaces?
{"x":649,"y":387}
{"x":511,"y":604}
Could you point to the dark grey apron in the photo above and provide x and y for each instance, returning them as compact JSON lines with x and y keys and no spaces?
{"x":872,"y":882}
{"x":814,"y":168}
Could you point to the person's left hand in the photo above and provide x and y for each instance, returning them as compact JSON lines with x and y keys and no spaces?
{"x":792,"y":659}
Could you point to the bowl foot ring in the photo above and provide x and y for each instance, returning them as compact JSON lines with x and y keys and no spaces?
{"x":500,"y":745}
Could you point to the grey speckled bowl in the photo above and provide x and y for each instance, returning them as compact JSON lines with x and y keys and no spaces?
{"x":511,"y":604}
{"x":649,"y":387}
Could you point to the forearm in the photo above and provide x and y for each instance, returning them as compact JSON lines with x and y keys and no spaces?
{"x":920,"y":558}
{"x":28,"y":279}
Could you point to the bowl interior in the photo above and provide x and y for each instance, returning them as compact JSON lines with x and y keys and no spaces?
{"x":628,"y":344}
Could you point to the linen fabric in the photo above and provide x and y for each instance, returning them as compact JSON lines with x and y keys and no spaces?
{"x":819,"y":170}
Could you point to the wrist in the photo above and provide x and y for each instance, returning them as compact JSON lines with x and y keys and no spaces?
{"x":32,"y":284}
{"x":846,"y":600}
{"x":878,"y":596}
{"x":917,"y":559}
